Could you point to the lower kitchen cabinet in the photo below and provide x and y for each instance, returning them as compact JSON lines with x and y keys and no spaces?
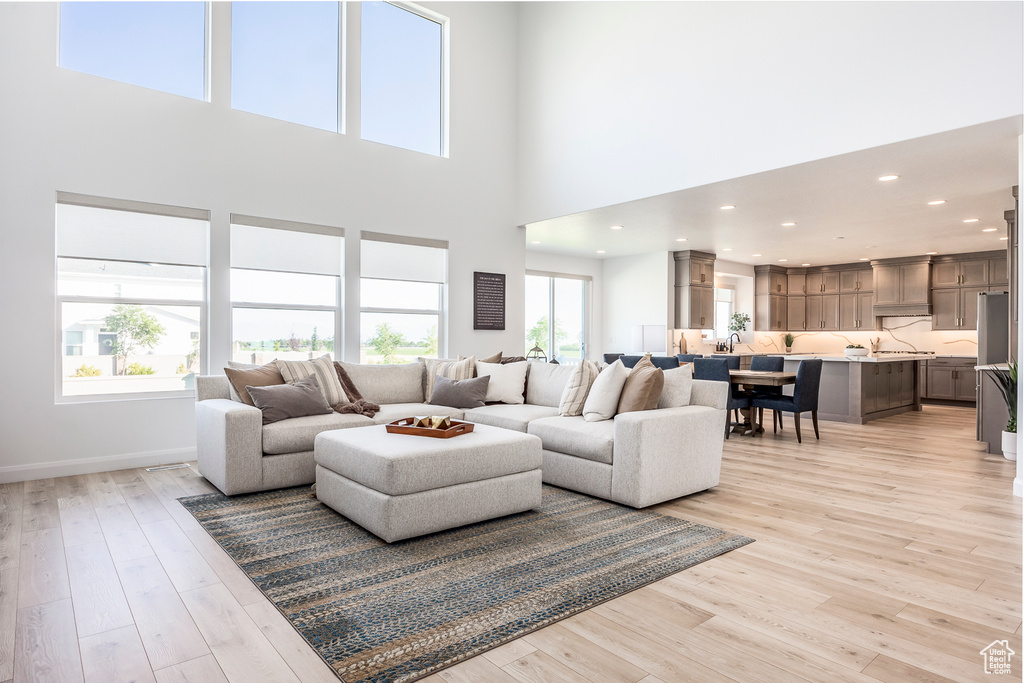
{"x":950,"y":379}
{"x":885,"y":386}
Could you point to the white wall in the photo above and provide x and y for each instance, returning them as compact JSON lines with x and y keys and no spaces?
{"x":638,"y":290}
{"x":573,"y":265}
{"x":624,"y":100}
{"x":62,"y":130}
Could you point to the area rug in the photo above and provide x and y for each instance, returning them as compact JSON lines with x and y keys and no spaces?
{"x":380,"y":612}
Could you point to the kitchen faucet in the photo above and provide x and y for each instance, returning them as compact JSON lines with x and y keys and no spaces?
{"x":734,"y":334}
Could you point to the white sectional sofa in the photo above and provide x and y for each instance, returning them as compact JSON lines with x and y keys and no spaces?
{"x":637,"y":458}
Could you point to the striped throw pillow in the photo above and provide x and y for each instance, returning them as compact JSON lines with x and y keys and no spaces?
{"x":575,"y":393}
{"x":323,"y":367}
{"x":452,"y":369}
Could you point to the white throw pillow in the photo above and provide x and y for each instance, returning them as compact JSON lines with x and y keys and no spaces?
{"x":678,"y":386}
{"x":507,"y":381}
{"x":574,"y":396}
{"x":603,"y":400}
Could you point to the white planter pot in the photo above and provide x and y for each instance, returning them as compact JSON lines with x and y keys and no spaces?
{"x":856,"y":352}
{"x":1010,"y":445}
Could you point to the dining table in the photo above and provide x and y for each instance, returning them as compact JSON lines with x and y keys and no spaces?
{"x":748,"y":381}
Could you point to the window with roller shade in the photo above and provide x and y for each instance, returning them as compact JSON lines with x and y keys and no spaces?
{"x":402,"y":298}
{"x":131,"y":291}
{"x":285,"y":289}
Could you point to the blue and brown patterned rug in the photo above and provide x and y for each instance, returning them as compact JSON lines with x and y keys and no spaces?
{"x":379,"y":612}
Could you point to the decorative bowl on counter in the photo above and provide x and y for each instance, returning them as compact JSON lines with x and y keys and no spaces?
{"x":855,"y":351}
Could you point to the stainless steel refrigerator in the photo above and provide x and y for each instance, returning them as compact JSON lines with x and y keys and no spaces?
{"x":993,"y":327}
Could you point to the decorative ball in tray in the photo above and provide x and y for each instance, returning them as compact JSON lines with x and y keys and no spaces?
{"x":436,"y":426}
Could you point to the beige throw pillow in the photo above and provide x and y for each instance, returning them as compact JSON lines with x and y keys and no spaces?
{"x":265,"y":376}
{"x":575,"y":393}
{"x":326,"y":376}
{"x":642,"y":388}
{"x":603,"y":399}
{"x":452,"y":369}
{"x":678,"y":387}
{"x":494,"y":358}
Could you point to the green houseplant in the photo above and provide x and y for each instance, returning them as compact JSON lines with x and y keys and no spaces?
{"x":788,"y":340}
{"x":739,"y":322}
{"x":1006,"y":380}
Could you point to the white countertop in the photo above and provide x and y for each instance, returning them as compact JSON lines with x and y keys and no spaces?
{"x":843,"y":358}
{"x":997,"y":366}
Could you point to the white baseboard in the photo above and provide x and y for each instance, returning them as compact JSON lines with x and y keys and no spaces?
{"x":66,"y":468}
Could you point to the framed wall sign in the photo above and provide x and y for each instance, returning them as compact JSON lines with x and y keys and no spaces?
{"x":488,"y":301}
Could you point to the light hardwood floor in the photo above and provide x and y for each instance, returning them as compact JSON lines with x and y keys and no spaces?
{"x":884,"y":552}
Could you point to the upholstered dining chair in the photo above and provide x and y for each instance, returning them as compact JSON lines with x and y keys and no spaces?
{"x":688,"y":357}
{"x":663,"y":362}
{"x":732,"y":361}
{"x":717,"y":370}
{"x":804,"y":398}
{"x":770,"y":364}
{"x":610,"y":358}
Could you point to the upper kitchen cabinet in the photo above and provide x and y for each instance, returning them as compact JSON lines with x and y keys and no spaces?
{"x":695,"y":290}
{"x":855,"y":280}
{"x":771,"y":285}
{"x":823,"y":282}
{"x":957,"y":279}
{"x":902,"y":286}
{"x":796,"y":283}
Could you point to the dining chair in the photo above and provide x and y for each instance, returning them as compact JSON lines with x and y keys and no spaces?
{"x":663,"y":362}
{"x":769,"y":364}
{"x":804,"y":398}
{"x":717,"y":370}
{"x":610,"y":358}
{"x":737,"y":391}
{"x":688,"y":357}
{"x":732,"y":361}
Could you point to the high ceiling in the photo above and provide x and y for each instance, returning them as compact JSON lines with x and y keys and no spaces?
{"x":841,"y":210}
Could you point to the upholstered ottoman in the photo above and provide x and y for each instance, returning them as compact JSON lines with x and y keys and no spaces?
{"x":399,"y":486}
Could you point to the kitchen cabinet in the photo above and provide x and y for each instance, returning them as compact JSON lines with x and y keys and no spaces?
{"x":998,"y":275}
{"x":823,"y":312}
{"x":956,"y":308}
{"x":826,"y":282}
{"x":779,"y":283}
{"x":950,"y":379}
{"x":694,"y":290}
{"x":885,"y":386}
{"x":796,"y":284}
{"x":796,"y":312}
{"x":902,"y":286}
{"x":960,"y":273}
{"x":858,"y":280}
{"x":855,"y":311}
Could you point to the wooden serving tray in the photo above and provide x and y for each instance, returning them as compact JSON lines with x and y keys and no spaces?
{"x":404,"y":426}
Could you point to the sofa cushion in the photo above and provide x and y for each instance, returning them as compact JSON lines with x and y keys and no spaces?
{"x":387,"y":383}
{"x":510,"y":416}
{"x":603,"y":399}
{"x":507,"y":382}
{"x":298,"y":433}
{"x":575,"y":436}
{"x":459,"y":393}
{"x":285,"y":401}
{"x":576,"y":389}
{"x":326,"y":376}
{"x":546,"y":383}
{"x":397,"y":411}
{"x":452,"y":369}
{"x":642,"y":388}
{"x":263,"y":376}
{"x":678,"y":387}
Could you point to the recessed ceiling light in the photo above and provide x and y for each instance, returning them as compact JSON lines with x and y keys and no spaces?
{"x":719,"y":274}
{"x":755,"y":255}
{"x":990,"y":229}
{"x":535,"y":242}
{"x":805,"y":264}
{"x":1004,"y":238}
{"x":887,"y":178}
{"x":930,"y":253}
{"x":727,"y":249}
{"x":680,"y":239}
{"x":788,"y":225}
{"x":600,"y":251}
{"x":616,"y":227}
{"x":865,"y":259}
{"x":727,"y":207}
{"x":937,"y":202}
{"x":971,"y":220}
{"x":783,"y":260}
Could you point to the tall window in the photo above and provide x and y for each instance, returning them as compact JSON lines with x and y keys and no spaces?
{"x":284,"y":61}
{"x":131,"y":284}
{"x":725,"y":305}
{"x":158,"y":45}
{"x":556,"y":316}
{"x":403,"y":77}
{"x":285,"y":289}
{"x":402,"y":295}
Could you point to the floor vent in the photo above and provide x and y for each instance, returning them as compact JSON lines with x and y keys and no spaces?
{"x":166,"y":467}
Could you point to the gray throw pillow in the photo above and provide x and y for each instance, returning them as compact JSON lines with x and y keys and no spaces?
{"x":459,"y":393}
{"x":283,"y":401}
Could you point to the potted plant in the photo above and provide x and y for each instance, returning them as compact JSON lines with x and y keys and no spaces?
{"x":788,"y":340}
{"x":739,"y":322}
{"x":855,"y":350}
{"x":1006,"y":380}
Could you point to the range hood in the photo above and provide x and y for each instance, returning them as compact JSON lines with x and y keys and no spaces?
{"x":892,"y":310}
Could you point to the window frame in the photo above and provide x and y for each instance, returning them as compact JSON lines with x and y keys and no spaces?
{"x":202,"y":304}
{"x":339,"y":292}
{"x":732,"y":309}
{"x":445,"y":23}
{"x":442,"y":305}
{"x":588,"y":282}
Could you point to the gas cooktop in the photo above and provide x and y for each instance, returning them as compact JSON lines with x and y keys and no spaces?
{"x":916,"y":353}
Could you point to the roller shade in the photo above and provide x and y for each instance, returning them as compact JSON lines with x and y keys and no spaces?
{"x":397,"y":261}
{"x":286,"y":250}
{"x":109,"y":234}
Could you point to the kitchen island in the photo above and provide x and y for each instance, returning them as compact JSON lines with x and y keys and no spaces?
{"x":859,"y":389}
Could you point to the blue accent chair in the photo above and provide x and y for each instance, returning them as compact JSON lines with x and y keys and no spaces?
{"x":687,"y":357}
{"x":804,"y":398}
{"x":663,"y":362}
{"x":771,"y":364}
{"x":717,"y":370}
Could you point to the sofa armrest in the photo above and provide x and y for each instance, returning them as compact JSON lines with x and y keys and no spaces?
{"x":664,"y":454}
{"x":212,"y":386}
{"x":711,"y":394}
{"x":229,"y":445}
